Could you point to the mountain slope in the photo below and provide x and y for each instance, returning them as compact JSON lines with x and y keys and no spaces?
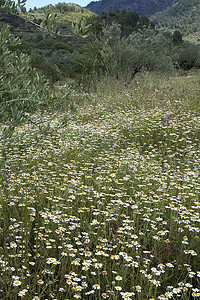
{"x":183,"y":15}
{"x":142,"y":7}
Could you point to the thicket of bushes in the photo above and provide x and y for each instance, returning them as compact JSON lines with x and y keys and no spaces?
{"x":120,"y":44}
{"x":145,"y":49}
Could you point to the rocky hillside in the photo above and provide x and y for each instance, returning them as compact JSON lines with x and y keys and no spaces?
{"x":142,"y":7}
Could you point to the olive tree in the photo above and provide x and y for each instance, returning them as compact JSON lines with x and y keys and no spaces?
{"x":22,"y":90}
{"x":125,"y":56}
{"x":187,"y":56}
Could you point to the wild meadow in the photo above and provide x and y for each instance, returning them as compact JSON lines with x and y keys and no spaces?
{"x":102,"y":199}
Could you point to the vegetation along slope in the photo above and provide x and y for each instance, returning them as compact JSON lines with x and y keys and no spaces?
{"x":183,"y":16}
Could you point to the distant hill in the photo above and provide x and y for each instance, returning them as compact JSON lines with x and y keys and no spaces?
{"x":183,"y":15}
{"x":142,"y":7}
{"x":66,"y":12}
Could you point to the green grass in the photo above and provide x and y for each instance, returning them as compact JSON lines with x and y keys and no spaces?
{"x":104,"y":202}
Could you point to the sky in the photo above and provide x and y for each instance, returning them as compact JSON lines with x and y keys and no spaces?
{"x":41,"y":3}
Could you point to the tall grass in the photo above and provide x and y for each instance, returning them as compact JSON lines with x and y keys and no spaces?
{"x":106,"y":204}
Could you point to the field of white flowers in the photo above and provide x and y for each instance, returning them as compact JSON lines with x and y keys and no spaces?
{"x":106,"y":204}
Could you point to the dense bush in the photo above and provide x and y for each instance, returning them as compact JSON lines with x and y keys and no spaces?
{"x":148,"y":49}
{"x":129,"y":21}
{"x":188,"y":56}
{"x":120,"y":44}
{"x":124,"y":57}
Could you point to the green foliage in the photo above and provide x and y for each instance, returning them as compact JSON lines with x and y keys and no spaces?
{"x":12,"y":19}
{"x":89,"y":62}
{"x":188,"y":56}
{"x":81,"y":28}
{"x":124,"y":57}
{"x":148,"y":49}
{"x":96,"y":26}
{"x":11,"y":6}
{"x":120,"y":49}
{"x":45,"y":67}
{"x":22,"y":90}
{"x":8,"y":5}
{"x":57,"y":56}
{"x":66,"y":12}
{"x":53,"y":57}
{"x":177,"y":37}
{"x":129,"y":21}
{"x":183,"y":16}
{"x":48,"y":25}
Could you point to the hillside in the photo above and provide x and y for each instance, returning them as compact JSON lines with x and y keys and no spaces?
{"x":66,"y":12}
{"x":52,"y":57}
{"x":183,"y":15}
{"x":142,"y":7}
